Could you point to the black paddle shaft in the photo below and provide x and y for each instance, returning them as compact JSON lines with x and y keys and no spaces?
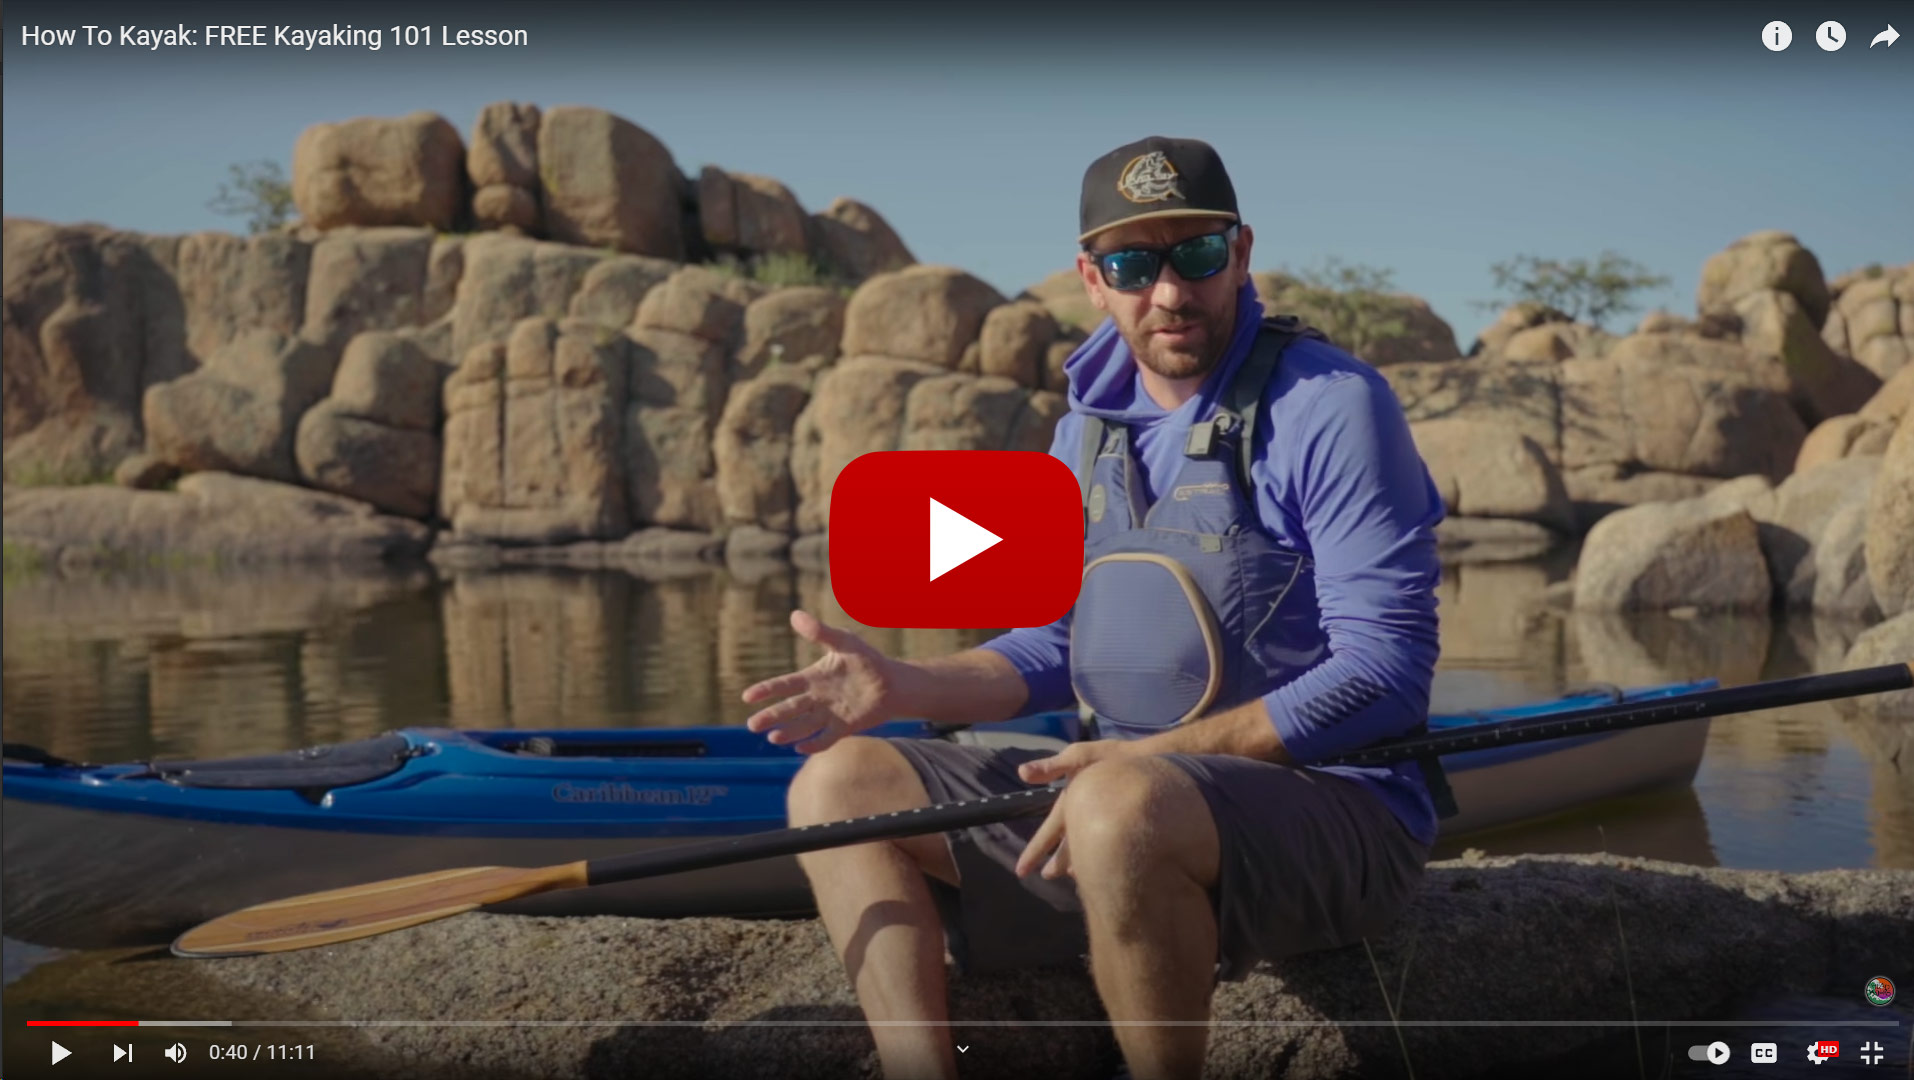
{"x":963,"y":815}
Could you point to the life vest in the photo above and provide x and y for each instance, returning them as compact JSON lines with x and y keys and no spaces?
{"x":1189,"y":605}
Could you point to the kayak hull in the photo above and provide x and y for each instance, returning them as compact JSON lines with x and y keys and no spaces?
{"x":136,"y":879}
{"x":98,"y":857}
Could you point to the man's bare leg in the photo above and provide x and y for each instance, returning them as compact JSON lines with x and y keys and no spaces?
{"x":1145,"y":853}
{"x":876,"y":905}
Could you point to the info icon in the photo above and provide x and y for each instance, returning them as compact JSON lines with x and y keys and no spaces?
{"x":1879,"y":991}
{"x":1777,"y":36}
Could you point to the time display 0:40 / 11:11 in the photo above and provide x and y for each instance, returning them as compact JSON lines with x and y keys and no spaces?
{"x":263,"y":1052}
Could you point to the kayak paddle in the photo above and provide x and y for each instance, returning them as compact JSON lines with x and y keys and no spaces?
{"x":337,"y":915}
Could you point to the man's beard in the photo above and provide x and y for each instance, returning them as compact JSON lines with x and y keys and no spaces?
{"x":1180,"y":361}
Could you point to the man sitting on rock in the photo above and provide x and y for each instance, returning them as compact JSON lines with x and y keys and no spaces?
{"x":1258,"y":593}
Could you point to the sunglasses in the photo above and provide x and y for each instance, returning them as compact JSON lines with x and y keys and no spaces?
{"x":1132,"y":268}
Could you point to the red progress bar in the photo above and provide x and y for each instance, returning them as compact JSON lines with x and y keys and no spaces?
{"x":83,"y":1023}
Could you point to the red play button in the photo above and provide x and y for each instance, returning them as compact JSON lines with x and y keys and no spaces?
{"x":956,"y":538}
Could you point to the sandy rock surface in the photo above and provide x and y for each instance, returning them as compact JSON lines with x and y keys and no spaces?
{"x":1486,"y":938}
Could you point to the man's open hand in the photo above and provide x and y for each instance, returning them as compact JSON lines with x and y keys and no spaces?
{"x":850,"y":688}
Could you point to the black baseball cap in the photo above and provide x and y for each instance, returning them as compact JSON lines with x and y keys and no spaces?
{"x":1155,"y":177}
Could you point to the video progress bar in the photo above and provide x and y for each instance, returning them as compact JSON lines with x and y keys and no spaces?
{"x":129,"y":1023}
{"x":1822,"y":1024}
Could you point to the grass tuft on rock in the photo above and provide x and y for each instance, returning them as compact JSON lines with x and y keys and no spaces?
{"x":38,"y":473}
{"x":22,"y":563}
{"x":782,"y":270}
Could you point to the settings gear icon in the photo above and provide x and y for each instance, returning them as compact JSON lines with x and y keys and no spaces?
{"x":1814,"y":1057}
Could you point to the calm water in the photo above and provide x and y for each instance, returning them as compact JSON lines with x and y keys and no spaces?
{"x":202,"y":664}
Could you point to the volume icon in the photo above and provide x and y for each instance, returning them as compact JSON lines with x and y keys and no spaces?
{"x":176,"y":1053}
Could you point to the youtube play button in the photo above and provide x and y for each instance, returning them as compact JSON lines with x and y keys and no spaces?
{"x":956,"y":538}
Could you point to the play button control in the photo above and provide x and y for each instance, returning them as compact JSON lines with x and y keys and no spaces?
{"x":60,"y":1053}
{"x":955,"y":539}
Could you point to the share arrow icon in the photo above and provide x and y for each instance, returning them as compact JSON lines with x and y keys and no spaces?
{"x":1889,"y":35}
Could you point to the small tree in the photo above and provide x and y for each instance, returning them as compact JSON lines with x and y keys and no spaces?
{"x":257,"y":191}
{"x":1584,"y":291}
{"x":1353,"y":303}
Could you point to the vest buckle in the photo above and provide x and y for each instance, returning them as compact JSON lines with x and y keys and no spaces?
{"x":1201,"y":442}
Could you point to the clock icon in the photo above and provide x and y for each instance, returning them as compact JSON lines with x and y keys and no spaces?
{"x":1831,"y":36}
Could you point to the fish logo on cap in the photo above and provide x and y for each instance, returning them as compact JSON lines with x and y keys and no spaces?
{"x":1149,"y":178}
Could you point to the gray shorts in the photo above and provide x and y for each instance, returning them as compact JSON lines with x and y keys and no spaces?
{"x":1309,"y":861}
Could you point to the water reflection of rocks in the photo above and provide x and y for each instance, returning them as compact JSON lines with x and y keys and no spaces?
{"x":203,"y":663}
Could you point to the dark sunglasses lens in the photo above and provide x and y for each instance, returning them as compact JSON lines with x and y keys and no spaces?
{"x":1200,"y":257}
{"x":1128,"y":270}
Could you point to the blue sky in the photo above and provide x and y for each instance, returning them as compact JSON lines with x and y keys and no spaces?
{"x":1430,"y":141}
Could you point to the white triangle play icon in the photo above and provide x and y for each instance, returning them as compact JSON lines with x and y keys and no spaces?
{"x":955,"y":539}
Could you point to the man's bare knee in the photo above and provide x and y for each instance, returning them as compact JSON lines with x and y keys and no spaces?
{"x":1124,"y":816}
{"x":857,"y":777}
{"x":860,"y":777}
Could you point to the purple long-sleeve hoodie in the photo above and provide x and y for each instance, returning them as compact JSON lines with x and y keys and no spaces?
{"x":1338,"y":478}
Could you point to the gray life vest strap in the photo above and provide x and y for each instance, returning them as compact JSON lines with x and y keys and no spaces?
{"x":1243,"y":398}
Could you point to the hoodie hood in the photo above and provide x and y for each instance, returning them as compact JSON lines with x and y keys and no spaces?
{"x":1101,"y":373}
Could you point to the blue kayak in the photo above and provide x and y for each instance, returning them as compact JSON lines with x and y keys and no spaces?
{"x":110,"y":855}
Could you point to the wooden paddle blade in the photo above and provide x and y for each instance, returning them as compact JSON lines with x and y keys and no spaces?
{"x":325,"y":918}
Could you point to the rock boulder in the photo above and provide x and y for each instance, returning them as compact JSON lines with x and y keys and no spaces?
{"x":1890,"y":525}
{"x":1824,"y":383}
{"x":1841,"y":437}
{"x":798,"y":326}
{"x":1657,"y":556}
{"x":376,"y":438}
{"x":407,"y":170}
{"x":750,"y":215}
{"x":504,"y":146}
{"x":92,"y":318}
{"x":534,"y":437}
{"x":1063,"y":294}
{"x":1793,"y":522}
{"x":701,"y":302}
{"x":365,"y":279}
{"x":1679,"y":404}
{"x":608,"y":183}
{"x":856,"y":242}
{"x":928,"y":314}
{"x":1770,"y":260}
{"x":856,"y":406}
{"x":240,"y":411}
{"x":612,"y":290}
{"x":502,"y":163}
{"x":752,"y":448}
{"x":1873,"y":320}
{"x":232,"y":284}
{"x":213,"y":516}
{"x":508,"y":278}
{"x":1015,"y":342}
{"x":1488,"y":471}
